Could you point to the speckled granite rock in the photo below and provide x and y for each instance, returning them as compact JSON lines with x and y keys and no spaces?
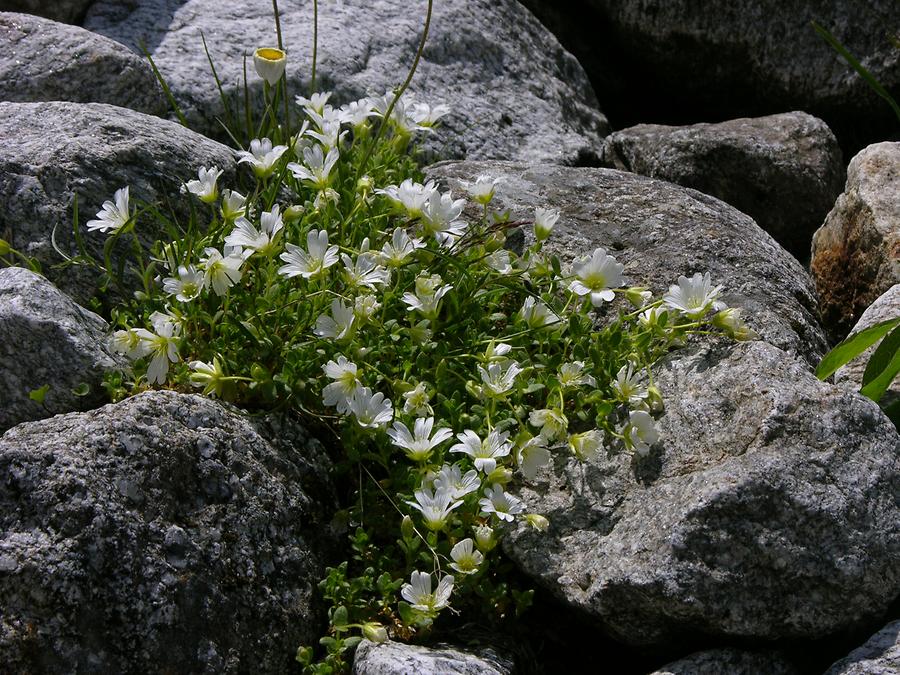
{"x":166,"y":533}
{"x":396,"y":658}
{"x":92,"y":150}
{"x":880,"y":655}
{"x":730,"y":662}
{"x":660,"y":231}
{"x":856,"y":252}
{"x":784,"y":171}
{"x":768,"y":511}
{"x":45,"y":338}
{"x":514,"y":91}
{"x":42,"y":60}
{"x":886,"y":307}
{"x":67,"y":11}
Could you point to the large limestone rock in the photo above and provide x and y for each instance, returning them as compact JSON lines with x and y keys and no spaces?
{"x":886,"y":307}
{"x":730,"y":661}
{"x":514,"y":91}
{"x":856,"y":253}
{"x":166,"y":533}
{"x":42,"y":60}
{"x":660,"y":231}
{"x":768,"y":511}
{"x":784,"y":171}
{"x":880,"y":655}
{"x":90,"y":150}
{"x":46,"y":339}
{"x":716,"y":60}
{"x":67,"y":11}
{"x":395,"y":658}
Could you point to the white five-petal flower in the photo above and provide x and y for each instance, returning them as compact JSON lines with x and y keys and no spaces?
{"x":311,"y":264}
{"x":485,"y":453}
{"x":499,"y":378}
{"x":435,"y":506}
{"x":222,"y":272}
{"x":596,"y":276}
{"x":337,"y":326}
{"x":114,"y":215}
{"x":466,"y":558}
{"x":500,"y":503}
{"x":451,"y":479}
{"x":371,"y":410}
{"x":262,"y":156}
{"x":346,"y":381}
{"x":205,"y":188}
{"x":640,"y":432}
{"x":418,"y":593}
{"x":694,"y":296}
{"x":420,"y":444}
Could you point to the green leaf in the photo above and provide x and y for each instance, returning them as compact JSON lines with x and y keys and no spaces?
{"x":38,"y":395}
{"x":883,"y":367}
{"x":407,"y":613}
{"x":893,"y":412}
{"x":853,"y":346}
{"x":339,"y":618}
{"x":83,"y":389}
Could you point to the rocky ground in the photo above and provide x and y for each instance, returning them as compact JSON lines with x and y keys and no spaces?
{"x":174,"y":533}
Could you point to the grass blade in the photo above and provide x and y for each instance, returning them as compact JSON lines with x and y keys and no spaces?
{"x":853,"y":346}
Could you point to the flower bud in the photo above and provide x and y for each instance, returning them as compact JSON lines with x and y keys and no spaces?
{"x":269,"y":63}
{"x":654,"y":399}
{"x":407,"y":528}
{"x":638,"y":296}
{"x":544,"y":220}
{"x":730,"y":321}
{"x":364,"y":184}
{"x":537,"y":521}
{"x":375,"y":632}
{"x":484,"y":538}
{"x":495,"y":241}
{"x":292,"y":213}
{"x":501,"y":475}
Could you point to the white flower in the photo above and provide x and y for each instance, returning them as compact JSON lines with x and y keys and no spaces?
{"x":233,"y":205}
{"x":486,"y":452}
{"x":329,"y":134}
{"x":596,"y":276}
{"x":269,"y":63}
{"x":451,"y":479}
{"x":499,"y":261}
{"x":263,"y":240}
{"x":317,"y":171}
{"x":440,"y":217}
{"x":586,"y":445}
{"x":419,"y":444}
{"x":544,"y":220}
{"x":164,"y":348}
{"x":221,"y":272}
{"x":651,"y":317}
{"x":425,"y":115}
{"x":371,"y":410}
{"x":465,"y":558}
{"x":418,"y":593}
{"x":417,"y":401}
{"x":572,"y":375}
{"x":427,"y":296}
{"x":627,"y":386}
{"x":209,"y":376}
{"x":310,"y":264}
{"x":316,"y":103}
{"x":340,"y":325}
{"x":552,"y":423}
{"x":341,"y":391}
{"x":112,"y":216}
{"x":205,"y":188}
{"x":187,"y":285}
{"x":262,"y":156}
{"x":536,"y":314}
{"x":499,"y":378}
{"x":501,"y":503}
{"x":356,"y":113}
{"x":730,"y":321}
{"x":694,"y":296}
{"x":496,"y":352}
{"x":364,"y":272}
{"x":129,"y":342}
{"x":482,"y":190}
{"x":434,"y":506}
{"x":409,"y":195}
{"x":533,"y":456}
{"x":399,"y":248}
{"x":364,"y":307}
{"x":640,"y":432}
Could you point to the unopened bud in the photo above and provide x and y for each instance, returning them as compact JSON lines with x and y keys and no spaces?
{"x":638,"y":296}
{"x":537,"y":521}
{"x":500,"y":475}
{"x":407,"y":528}
{"x":292,"y":213}
{"x":375,"y":632}
{"x":484,"y":538}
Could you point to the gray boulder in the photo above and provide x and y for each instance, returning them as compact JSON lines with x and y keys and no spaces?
{"x":166,"y":533}
{"x":856,"y":252}
{"x":42,"y":60}
{"x":730,"y":661}
{"x":768,"y":511}
{"x":90,"y":150}
{"x":514,"y":91}
{"x":46,"y":339}
{"x":660,"y":231}
{"x":886,"y":307}
{"x":784,"y":171}
{"x":67,"y":11}
{"x":395,"y":658}
{"x":720,"y":59}
{"x":880,"y":655}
